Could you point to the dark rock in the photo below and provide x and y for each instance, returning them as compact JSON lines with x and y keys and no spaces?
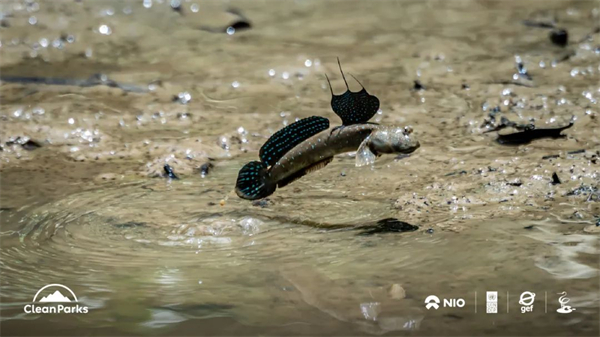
{"x":389,"y":225}
{"x":559,"y":37}
{"x":555,"y":179}
{"x":169,"y":172}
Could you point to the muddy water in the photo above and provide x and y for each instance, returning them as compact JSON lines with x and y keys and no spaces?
{"x":90,"y":207}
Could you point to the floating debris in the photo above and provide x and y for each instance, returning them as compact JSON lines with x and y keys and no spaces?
{"x":592,"y":192}
{"x":389,"y":225}
{"x":25,"y":142}
{"x":130,"y":224}
{"x":205,"y":169}
{"x":169,"y":172}
{"x":555,"y":179}
{"x":182,"y":98}
{"x":418,"y":86}
{"x":538,"y":24}
{"x":559,"y":37}
{"x":241,"y":24}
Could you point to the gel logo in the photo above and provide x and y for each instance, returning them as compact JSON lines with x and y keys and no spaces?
{"x":69,"y":304}
{"x":433,"y":301}
{"x":526,"y":300}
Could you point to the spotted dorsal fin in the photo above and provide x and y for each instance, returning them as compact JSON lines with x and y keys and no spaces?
{"x":353,"y":107}
{"x":287,"y":138}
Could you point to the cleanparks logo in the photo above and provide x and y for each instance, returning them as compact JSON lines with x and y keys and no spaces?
{"x":55,"y":299}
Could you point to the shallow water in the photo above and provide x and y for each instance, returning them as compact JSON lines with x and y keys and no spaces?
{"x":91,"y":209}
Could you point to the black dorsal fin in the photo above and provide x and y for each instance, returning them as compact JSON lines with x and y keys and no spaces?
{"x":312,"y":168}
{"x":344,"y":77}
{"x":353,"y":107}
{"x":287,"y":138}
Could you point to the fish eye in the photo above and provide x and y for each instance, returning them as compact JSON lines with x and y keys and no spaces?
{"x":408,"y":130}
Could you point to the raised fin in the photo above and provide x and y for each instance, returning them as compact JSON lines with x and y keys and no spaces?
{"x":362,"y":86}
{"x":287,"y":138}
{"x":344,"y":77}
{"x":329,"y":82}
{"x":312,"y":168}
{"x":364,"y":155}
{"x":253,"y":181}
{"x":353,"y":107}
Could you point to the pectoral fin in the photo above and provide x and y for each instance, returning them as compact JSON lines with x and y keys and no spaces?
{"x":364,"y":155}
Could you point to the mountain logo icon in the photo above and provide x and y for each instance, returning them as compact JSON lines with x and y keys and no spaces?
{"x":56,"y":296}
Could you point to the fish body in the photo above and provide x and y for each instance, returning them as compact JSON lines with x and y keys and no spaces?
{"x":257,"y":180}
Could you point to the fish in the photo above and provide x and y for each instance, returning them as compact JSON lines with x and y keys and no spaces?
{"x":353,"y":107}
{"x":257,"y":179}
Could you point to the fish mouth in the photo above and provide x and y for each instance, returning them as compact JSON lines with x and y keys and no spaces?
{"x":411,"y":149}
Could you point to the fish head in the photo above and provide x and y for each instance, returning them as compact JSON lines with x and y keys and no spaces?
{"x":393,"y":139}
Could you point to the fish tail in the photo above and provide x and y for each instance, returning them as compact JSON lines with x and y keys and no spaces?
{"x":254,"y":181}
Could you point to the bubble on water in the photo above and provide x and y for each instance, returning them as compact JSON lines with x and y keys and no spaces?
{"x":574,"y":72}
{"x":33,"y":54}
{"x":224,"y":142}
{"x":89,"y":52}
{"x":195,"y":8}
{"x":175,"y":4}
{"x":38,"y":111}
{"x":272,"y":72}
{"x":44,"y":42}
{"x":200,"y":282}
{"x":235,"y":84}
{"x":147,"y":3}
{"x":317,"y":62}
{"x":542,"y":64}
{"x":506,"y":92}
{"x":127,"y":10}
{"x":285,"y":75}
{"x":74,"y":149}
{"x":250,"y":225}
{"x":17,"y":113}
{"x":230,"y":30}
{"x":108,"y":12}
{"x":71,"y":121}
{"x":485,"y":106}
{"x":32,"y":20}
{"x":70,"y":38}
{"x":58,"y":44}
{"x":105,"y":30}
{"x":241,"y":130}
{"x":184,"y":97}
{"x":515,"y":77}
{"x":307,"y":63}
{"x":33,"y":7}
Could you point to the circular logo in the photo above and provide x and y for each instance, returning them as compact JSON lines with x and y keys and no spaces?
{"x":527,"y":298}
